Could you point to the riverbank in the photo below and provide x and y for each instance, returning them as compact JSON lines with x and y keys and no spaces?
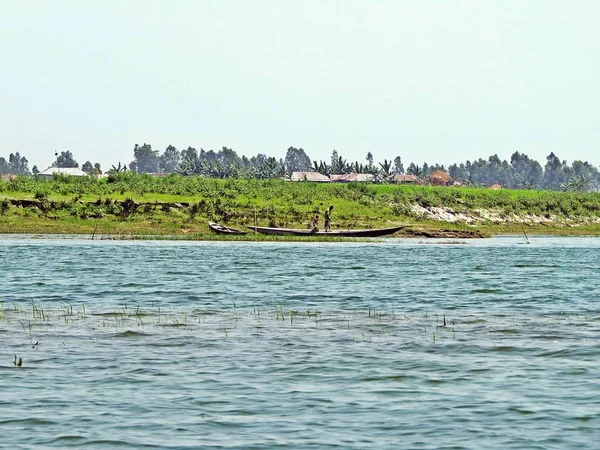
{"x":175,"y":206}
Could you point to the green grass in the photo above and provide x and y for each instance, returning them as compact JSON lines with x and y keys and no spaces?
{"x":142,"y":205}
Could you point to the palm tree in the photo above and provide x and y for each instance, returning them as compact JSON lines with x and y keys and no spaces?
{"x":386,"y":168}
{"x":577,"y":183}
{"x":415,"y":169}
{"x":339,"y":166}
{"x":191,"y":166}
{"x":118,"y":169}
{"x":322,"y":168}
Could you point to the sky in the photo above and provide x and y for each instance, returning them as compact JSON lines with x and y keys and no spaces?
{"x":429,"y":81}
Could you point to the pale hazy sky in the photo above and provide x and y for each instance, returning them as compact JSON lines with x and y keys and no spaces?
{"x":435,"y":81}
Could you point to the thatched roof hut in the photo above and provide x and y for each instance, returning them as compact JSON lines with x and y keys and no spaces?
{"x":439,"y":178}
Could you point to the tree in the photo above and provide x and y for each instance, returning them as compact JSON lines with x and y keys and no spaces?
{"x":322,"y":168}
{"x":117,"y":169}
{"x":339,"y":164}
{"x":588,"y":172}
{"x":369,"y":159}
{"x":398,"y":166}
{"x":334,"y":159}
{"x":491,"y":171}
{"x":499,"y":172}
{"x":18,"y":164}
{"x":35,"y":170}
{"x":458,"y":172}
{"x":3,"y":165}
{"x":190,"y":152}
{"x":415,"y":170}
{"x":87,"y":167}
{"x":271,"y":169}
{"x":65,"y":159}
{"x":554,"y":175}
{"x":97,"y":169}
{"x":527,"y":173}
{"x":581,"y":177}
{"x":577,"y":183}
{"x":227,"y":156}
{"x":222,"y":164}
{"x":296,"y":160}
{"x":258,"y":160}
{"x":169,"y":160}
{"x":360,"y":168}
{"x":191,"y":165}
{"x":386,"y":168}
{"x":209,"y":156}
{"x":145,"y":159}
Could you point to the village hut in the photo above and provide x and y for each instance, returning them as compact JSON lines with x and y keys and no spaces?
{"x":310,"y":176}
{"x":400,"y":178}
{"x":495,"y":186}
{"x":70,"y":171}
{"x":439,"y":178}
{"x":353,"y":177}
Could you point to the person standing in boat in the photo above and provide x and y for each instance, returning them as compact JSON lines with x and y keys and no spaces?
{"x":328,"y":212}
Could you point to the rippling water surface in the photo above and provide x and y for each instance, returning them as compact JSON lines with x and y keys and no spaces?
{"x":397,"y":344}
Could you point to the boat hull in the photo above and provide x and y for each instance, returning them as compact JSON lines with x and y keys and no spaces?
{"x":376,"y":232}
{"x":221,"y":229}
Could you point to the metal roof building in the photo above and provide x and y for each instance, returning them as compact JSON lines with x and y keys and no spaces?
{"x":71,"y":171}
{"x":350,"y":177}
{"x":398,"y":178}
{"x":310,"y":176}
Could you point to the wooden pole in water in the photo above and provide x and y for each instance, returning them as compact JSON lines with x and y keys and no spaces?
{"x":94,"y":233}
{"x":524,"y":233}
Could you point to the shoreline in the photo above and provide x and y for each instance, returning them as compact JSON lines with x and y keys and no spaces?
{"x":415,"y":234}
{"x":170,"y":227}
{"x":180,"y":208}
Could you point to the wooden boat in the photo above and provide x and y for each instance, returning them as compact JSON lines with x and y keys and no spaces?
{"x":375,"y":232}
{"x":221,"y":229}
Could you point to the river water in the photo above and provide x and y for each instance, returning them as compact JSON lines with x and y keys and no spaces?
{"x":392,"y":344}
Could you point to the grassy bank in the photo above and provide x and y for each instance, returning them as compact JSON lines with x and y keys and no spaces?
{"x":129,"y":204}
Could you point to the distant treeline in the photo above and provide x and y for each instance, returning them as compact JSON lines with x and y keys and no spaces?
{"x":521,"y":172}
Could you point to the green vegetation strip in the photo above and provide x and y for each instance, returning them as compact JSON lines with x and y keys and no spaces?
{"x":133,"y":205}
